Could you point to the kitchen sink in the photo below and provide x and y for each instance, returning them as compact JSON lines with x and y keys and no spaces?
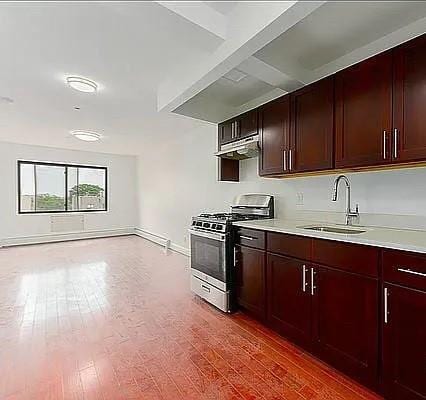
{"x":344,"y":231}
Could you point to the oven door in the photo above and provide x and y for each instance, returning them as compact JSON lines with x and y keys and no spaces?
{"x":209,"y":256}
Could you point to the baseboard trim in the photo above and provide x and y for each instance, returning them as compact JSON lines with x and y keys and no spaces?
{"x":161,"y":240}
{"x":63,"y":237}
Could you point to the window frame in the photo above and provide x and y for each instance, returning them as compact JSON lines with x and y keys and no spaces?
{"x":66,"y":166}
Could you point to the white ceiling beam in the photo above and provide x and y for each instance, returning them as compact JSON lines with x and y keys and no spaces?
{"x":253,"y":26}
{"x":385,"y":43}
{"x":267,"y":73}
{"x":200,"y":14}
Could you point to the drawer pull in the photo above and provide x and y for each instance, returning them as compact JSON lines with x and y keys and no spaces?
{"x":409,"y":271}
{"x":205,"y":288}
{"x":247,"y":237}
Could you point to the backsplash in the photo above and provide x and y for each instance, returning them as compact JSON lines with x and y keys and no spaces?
{"x":394,"y":198}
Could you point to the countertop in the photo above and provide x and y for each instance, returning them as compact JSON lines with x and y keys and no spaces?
{"x":398,"y":239}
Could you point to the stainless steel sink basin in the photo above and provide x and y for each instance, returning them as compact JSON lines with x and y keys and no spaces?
{"x":344,"y":231}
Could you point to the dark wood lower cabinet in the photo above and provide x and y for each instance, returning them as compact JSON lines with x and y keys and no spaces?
{"x":362,"y":309}
{"x":345,"y":322}
{"x":289,"y":301}
{"x":250,"y":280}
{"x":404,"y":343}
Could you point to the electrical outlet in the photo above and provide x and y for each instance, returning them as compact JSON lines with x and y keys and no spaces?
{"x":299,"y":199}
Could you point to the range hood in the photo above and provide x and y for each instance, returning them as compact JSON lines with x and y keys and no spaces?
{"x":240,"y":149}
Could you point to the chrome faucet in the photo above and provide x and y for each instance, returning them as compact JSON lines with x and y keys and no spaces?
{"x":350,"y":215}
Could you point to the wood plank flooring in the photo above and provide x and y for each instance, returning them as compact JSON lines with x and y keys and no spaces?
{"x":114,"y":319}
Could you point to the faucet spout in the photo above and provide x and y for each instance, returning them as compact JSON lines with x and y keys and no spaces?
{"x":349,"y":213}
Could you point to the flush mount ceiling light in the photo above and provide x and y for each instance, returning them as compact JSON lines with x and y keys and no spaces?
{"x":87,"y":136}
{"x":82,"y":84}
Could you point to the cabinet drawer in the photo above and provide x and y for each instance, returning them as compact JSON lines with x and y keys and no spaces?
{"x":356,"y":258}
{"x":404,"y":268}
{"x":289,"y":245}
{"x":250,"y":238}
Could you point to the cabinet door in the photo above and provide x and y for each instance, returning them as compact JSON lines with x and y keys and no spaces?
{"x":289,"y":301}
{"x":409,"y":138}
{"x":312,"y":127}
{"x":404,"y":343}
{"x":345,"y":322}
{"x":364,"y":113}
{"x":250,"y":280}
{"x":274,"y":121}
{"x":226,"y":132}
{"x":247,"y":124}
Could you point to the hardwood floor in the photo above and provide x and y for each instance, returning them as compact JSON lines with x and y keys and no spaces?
{"x":114,"y":319}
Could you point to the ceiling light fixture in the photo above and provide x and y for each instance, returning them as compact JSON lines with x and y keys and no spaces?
{"x":87,"y":136}
{"x":82,"y":84}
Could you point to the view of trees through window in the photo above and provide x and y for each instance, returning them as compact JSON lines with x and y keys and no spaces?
{"x":47,"y":187}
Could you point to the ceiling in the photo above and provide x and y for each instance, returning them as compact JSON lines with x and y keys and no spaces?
{"x":128,"y":48}
{"x":203,"y":60}
{"x":330,"y":38}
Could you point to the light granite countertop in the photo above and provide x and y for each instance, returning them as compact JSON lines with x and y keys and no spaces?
{"x":398,"y":239}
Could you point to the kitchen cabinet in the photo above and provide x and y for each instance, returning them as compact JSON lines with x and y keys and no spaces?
{"x":274,"y":131}
{"x":247,"y":124}
{"x":364,"y":113}
{"x":226,"y":132}
{"x":404,"y":324}
{"x":312,"y":127}
{"x":289,"y":300}
{"x":404,"y":347}
{"x":237,"y":128}
{"x":409,"y":119}
{"x":345,"y":321}
{"x":250,"y":280}
{"x":360,"y":308}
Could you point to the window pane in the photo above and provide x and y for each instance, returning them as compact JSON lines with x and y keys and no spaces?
{"x":50,"y":188}
{"x":91,"y":189}
{"x":72,"y":188}
{"x":27,"y":189}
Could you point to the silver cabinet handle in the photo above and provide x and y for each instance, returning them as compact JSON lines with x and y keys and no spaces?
{"x":290,"y":159}
{"x":313,"y":287}
{"x":395,"y":143}
{"x":235,"y":256}
{"x":303,"y":278}
{"x":232,"y":130}
{"x":285,"y":160}
{"x":384,"y":145}
{"x":385,"y":303}
{"x":247,"y":237}
{"x":409,"y":271}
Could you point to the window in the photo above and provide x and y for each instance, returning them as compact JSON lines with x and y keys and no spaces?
{"x":48,"y":187}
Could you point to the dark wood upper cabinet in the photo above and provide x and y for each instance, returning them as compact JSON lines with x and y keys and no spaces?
{"x":404,"y":345}
{"x":345,"y":326}
{"x":247,"y":124}
{"x":312,"y":127}
{"x":274,"y":129}
{"x":289,"y":300}
{"x":250,"y":280}
{"x":364,"y":113}
{"x":225,"y":131}
{"x":409,"y":135}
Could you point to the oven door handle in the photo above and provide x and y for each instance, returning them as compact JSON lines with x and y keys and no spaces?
{"x":209,"y":235}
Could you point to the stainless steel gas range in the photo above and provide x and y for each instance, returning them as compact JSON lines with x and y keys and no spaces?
{"x":212,"y":248}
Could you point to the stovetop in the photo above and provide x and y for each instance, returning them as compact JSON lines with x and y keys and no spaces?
{"x":228,"y":217}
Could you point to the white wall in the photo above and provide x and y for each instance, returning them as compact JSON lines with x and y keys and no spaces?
{"x":177,"y":179}
{"x":122,"y":200}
